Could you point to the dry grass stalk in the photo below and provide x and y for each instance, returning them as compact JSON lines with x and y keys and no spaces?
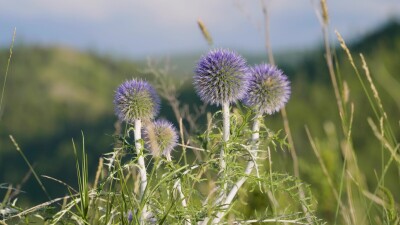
{"x":346,"y":49}
{"x":373,"y":88}
{"x":205,"y":32}
{"x":267,"y":36}
{"x":323,"y":166}
{"x":6,"y":74}
{"x":346,"y":92}
{"x":98,"y":172}
{"x":392,"y":149}
{"x":283,"y":113}
{"x":324,"y":9}
{"x":332,"y":74}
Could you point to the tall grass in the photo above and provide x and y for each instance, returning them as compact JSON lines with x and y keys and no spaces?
{"x":6,"y":72}
{"x":354,"y":199}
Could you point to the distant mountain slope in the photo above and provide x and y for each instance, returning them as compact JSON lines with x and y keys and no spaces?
{"x":386,"y":37}
{"x":48,"y":85}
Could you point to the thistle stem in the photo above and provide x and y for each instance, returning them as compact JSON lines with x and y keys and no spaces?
{"x":178,"y":187}
{"x":249,"y":168}
{"x":226,"y":117}
{"x":226,"y":131}
{"x":142,"y":167}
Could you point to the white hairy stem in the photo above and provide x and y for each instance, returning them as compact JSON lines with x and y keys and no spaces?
{"x":249,"y":168}
{"x":142,"y":166}
{"x":178,"y":187}
{"x":222,"y":163}
{"x":226,"y":130}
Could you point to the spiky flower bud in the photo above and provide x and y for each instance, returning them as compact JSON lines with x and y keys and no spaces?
{"x":269,"y":89}
{"x":160,"y":138}
{"x":136,"y":99}
{"x":220,"y":77}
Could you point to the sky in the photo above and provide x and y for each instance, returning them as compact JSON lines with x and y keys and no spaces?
{"x":147,"y":28}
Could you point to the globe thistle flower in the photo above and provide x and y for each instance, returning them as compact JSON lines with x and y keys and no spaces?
{"x":130,"y":216}
{"x":136,"y":99}
{"x":160,"y":138}
{"x":221,"y":77}
{"x":269,"y":89}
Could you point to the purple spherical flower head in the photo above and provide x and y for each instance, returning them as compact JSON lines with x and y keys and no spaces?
{"x":130,"y":216}
{"x":220,"y":77}
{"x":160,"y":138}
{"x":269,"y":89}
{"x":136,"y":99}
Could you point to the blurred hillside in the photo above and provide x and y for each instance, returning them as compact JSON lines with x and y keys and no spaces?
{"x":53,"y":93}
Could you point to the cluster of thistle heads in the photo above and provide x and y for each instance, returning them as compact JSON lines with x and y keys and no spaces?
{"x":137,"y":100}
{"x":221,"y":76}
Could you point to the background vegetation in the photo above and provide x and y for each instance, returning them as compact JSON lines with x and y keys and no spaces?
{"x":54,"y":93}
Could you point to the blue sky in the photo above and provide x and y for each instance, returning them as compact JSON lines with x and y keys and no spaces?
{"x":147,"y":28}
